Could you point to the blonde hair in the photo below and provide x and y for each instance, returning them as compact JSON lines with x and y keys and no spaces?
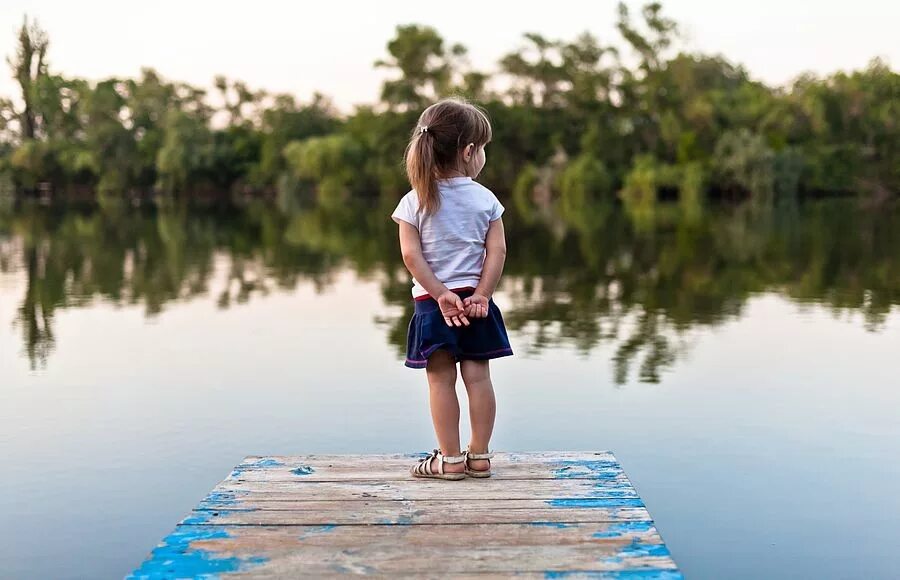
{"x":443,"y":130}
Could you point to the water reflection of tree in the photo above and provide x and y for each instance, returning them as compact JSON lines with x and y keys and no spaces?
{"x":582,"y":280}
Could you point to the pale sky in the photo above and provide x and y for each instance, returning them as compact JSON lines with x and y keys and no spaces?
{"x":300,"y":47}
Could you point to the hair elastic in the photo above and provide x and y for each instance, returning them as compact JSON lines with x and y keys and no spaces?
{"x":423,"y":128}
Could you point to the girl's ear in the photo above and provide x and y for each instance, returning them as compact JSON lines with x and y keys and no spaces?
{"x":469,"y":151}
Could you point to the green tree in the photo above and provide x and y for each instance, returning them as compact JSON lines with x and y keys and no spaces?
{"x":186,"y":152}
{"x":29,"y":66}
{"x":537,"y":77}
{"x":743,"y":162}
{"x":424,"y":64}
{"x":329,"y":162}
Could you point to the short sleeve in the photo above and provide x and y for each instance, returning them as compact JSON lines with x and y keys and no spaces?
{"x":405,"y":211}
{"x":496,"y":210}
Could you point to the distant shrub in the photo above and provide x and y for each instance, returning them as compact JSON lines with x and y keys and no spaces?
{"x":330,"y":163}
{"x":788,"y":169}
{"x":584,"y":182}
{"x":641,"y":181}
{"x":523,"y":190}
{"x":639,"y":191}
{"x":743,"y":161}
{"x":691,"y":190}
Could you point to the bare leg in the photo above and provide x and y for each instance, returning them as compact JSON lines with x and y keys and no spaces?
{"x":441,"y":371}
{"x":482,"y":407}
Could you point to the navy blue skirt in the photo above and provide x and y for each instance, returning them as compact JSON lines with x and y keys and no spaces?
{"x":483,"y":339}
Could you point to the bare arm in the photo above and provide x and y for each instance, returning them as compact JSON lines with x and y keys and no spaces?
{"x":494,"y":259}
{"x":414,"y":259}
{"x":450,"y":304}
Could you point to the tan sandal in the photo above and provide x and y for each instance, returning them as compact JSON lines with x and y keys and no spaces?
{"x":423,"y":467}
{"x":477,"y":472}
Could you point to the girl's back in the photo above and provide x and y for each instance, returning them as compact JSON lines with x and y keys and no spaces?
{"x":453,"y":237}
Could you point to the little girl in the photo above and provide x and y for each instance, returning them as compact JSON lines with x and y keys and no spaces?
{"x":453,"y":244}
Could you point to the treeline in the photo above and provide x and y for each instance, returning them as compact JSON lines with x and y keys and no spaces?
{"x":576,"y":122}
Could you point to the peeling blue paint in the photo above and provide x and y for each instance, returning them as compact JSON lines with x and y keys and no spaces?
{"x":402,"y":520}
{"x":552,"y":524}
{"x":262,"y":462}
{"x":421,"y":455}
{"x":619,"y":491}
{"x":587,"y":502}
{"x":198,"y":518}
{"x":303,"y":470}
{"x":593,"y":468}
{"x":622,"y":528}
{"x":176,"y":558}
{"x":608,"y":484}
{"x":647,"y":574}
{"x":216,"y":510}
{"x":265,"y":462}
{"x":637,"y":548}
{"x":223,"y":498}
{"x":318,"y":530}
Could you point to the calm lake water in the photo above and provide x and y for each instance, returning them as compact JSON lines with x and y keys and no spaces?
{"x":742,"y":364}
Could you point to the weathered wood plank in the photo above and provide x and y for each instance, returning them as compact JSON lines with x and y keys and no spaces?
{"x":534,"y":534}
{"x":597,"y":556}
{"x":480,"y":548}
{"x":464,"y":486}
{"x":396,"y":467}
{"x":438,"y":505}
{"x":229,"y":492}
{"x":411,"y":514}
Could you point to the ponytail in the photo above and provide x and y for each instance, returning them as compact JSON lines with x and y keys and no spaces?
{"x":421,"y":168}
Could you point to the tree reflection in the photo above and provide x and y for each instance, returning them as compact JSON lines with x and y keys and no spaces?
{"x":578,"y":278}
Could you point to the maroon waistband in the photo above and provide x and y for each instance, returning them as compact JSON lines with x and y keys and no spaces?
{"x":428,"y":296}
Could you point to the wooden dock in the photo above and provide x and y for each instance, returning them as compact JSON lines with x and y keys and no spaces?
{"x":548,"y":515}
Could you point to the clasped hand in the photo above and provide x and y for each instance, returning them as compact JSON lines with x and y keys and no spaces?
{"x":457,"y":311}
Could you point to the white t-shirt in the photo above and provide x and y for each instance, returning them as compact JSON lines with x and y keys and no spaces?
{"x":453,"y":237}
